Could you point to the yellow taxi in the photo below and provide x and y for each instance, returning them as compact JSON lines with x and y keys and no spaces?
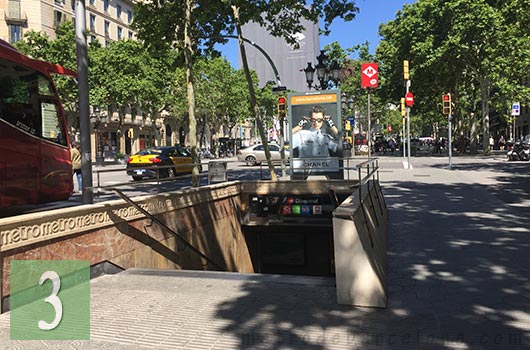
{"x":171,"y":160}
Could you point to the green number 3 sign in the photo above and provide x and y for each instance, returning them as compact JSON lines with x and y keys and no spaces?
{"x":50,"y":300}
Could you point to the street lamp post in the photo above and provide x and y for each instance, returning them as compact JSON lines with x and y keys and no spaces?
{"x":95,"y":119}
{"x":326,"y":73}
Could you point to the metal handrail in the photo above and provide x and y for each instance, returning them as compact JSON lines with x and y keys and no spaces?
{"x":372,"y":170}
{"x":165,"y":227}
{"x":370,"y":166}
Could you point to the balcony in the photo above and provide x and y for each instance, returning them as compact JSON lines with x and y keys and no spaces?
{"x":14,"y":15}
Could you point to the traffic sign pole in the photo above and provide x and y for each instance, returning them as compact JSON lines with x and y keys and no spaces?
{"x":449,"y":142}
{"x":369,"y":128}
{"x":369,"y":79}
{"x":408,"y":127}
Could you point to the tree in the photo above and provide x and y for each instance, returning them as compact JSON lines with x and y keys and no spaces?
{"x":221,"y":94}
{"x":125,"y":73}
{"x":458,"y":46}
{"x":206,"y":21}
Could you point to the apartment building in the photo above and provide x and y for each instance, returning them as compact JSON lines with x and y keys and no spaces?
{"x":106,"y":19}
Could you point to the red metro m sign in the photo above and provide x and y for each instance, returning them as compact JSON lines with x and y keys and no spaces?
{"x":369,"y":75}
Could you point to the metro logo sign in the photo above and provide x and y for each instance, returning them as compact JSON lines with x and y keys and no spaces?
{"x":369,"y":75}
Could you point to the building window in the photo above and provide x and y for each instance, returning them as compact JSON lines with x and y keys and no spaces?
{"x":59,"y":2}
{"x":92,"y":2}
{"x":129,"y":17}
{"x":92,"y":23}
{"x":15,"y":33}
{"x":106,"y":5}
{"x":107,"y":28}
{"x":130,"y":35}
{"x":92,"y":38}
{"x":107,"y":43}
{"x":13,"y":10}
{"x":58,"y":18}
{"x":118,"y":11}
{"x":119,"y":33}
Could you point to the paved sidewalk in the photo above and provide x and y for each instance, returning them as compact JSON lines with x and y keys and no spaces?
{"x":459,"y":279}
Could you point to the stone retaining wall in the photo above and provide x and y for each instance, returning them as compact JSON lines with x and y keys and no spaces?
{"x":116,"y":232}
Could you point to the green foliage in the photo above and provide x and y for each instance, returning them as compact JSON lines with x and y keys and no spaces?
{"x":465,"y":47}
{"x":60,"y":51}
{"x":125,"y":73}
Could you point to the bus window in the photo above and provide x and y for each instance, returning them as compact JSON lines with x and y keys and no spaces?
{"x":45,"y":88}
{"x":52,"y":126}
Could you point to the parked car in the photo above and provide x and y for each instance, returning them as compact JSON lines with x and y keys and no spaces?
{"x":177,"y":156}
{"x":254,"y":155}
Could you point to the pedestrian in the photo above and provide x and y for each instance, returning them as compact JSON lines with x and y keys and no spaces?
{"x":75,"y":154}
{"x":502,"y":143}
{"x":310,"y":139}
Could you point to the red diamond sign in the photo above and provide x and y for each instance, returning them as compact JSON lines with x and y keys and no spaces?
{"x":369,"y":75}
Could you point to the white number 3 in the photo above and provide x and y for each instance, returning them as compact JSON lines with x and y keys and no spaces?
{"x":52,"y":299}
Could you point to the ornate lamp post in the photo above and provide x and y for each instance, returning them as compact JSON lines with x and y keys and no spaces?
{"x":326,"y":73}
{"x":95,"y":119}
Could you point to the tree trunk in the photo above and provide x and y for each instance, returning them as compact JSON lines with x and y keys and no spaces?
{"x":253,"y":102}
{"x":188,"y":57}
{"x":484,"y":94}
{"x":473,"y":133}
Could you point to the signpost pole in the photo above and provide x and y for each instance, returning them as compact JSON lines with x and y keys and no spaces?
{"x":369,"y":79}
{"x":403,"y":142}
{"x":408,"y":129}
{"x":449,"y":142}
{"x":516,"y":111}
{"x":369,"y":138}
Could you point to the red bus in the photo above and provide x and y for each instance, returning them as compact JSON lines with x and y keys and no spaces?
{"x":35,"y":164}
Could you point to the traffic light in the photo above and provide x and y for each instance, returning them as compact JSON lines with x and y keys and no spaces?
{"x":406,"y":70}
{"x":282,"y":107}
{"x":403,"y":109}
{"x":446,"y":104}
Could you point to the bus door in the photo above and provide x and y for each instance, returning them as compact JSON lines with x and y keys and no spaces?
{"x":56,"y":170}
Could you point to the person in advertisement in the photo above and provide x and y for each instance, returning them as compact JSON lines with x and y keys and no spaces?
{"x":316,"y":135}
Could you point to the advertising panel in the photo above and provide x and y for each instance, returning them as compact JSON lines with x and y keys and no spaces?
{"x":315,"y":134}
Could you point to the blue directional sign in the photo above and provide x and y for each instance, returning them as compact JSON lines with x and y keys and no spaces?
{"x":352,"y":121}
{"x":516,"y":109}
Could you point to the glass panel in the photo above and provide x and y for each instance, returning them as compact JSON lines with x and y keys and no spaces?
{"x":52,"y":126}
{"x":45,"y":87}
{"x":15,"y":33}
{"x":13,"y":9}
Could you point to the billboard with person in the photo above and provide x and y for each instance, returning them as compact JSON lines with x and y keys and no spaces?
{"x":315,"y":134}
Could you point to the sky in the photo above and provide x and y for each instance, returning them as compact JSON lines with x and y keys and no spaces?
{"x":363,"y":28}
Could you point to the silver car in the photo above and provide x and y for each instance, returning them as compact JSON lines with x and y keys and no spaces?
{"x":254,"y":155}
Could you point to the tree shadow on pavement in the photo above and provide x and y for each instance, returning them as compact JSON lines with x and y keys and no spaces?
{"x":458,"y":279}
